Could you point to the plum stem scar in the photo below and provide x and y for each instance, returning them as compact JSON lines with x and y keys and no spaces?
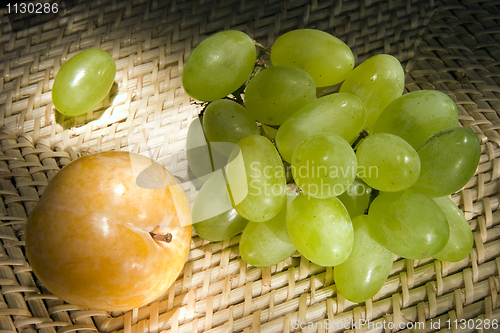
{"x":163,"y":238}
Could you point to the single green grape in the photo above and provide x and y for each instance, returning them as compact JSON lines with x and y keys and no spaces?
{"x":387,"y":163}
{"x":264,"y":244}
{"x":417,"y":115}
{"x":326,"y":58}
{"x":324,"y":165}
{"x":461,"y":240}
{"x":83,"y":82}
{"x":366,"y":269}
{"x":225,"y":120}
{"x":214,"y":218}
{"x":408,"y":224}
{"x":449,"y":159}
{"x":256,"y":179}
{"x":219,"y":65}
{"x":342,"y":114}
{"x":356,"y":198}
{"x":320,"y":229}
{"x":275,"y":93}
{"x":377,"y":81}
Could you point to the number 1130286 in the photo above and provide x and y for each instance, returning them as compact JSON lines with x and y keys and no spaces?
{"x":32,"y":8}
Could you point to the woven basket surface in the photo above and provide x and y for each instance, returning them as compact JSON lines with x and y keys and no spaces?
{"x":451,"y":46}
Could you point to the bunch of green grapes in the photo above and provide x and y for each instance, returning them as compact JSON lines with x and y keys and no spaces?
{"x":372,"y":167}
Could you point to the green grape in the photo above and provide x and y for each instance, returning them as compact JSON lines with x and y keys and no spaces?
{"x":275,"y":93}
{"x":366,"y":269}
{"x":408,"y":224}
{"x":356,"y":198}
{"x":340,"y":113}
{"x":264,"y":244}
{"x":214,"y":218}
{"x":377,"y":81}
{"x":202,"y":158}
{"x":417,"y":115}
{"x":448,"y":161}
{"x":256,"y":179}
{"x":387,"y":163}
{"x":83,"y":82}
{"x":461,"y":240}
{"x":320,"y":229}
{"x":326,"y":58}
{"x":227,"y":121}
{"x":219,"y":65}
{"x":323,"y":165}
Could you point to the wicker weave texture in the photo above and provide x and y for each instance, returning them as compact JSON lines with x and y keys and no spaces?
{"x":449,"y":46}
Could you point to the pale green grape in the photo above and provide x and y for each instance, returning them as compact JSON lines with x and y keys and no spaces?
{"x":256,"y":179}
{"x":227,"y":121}
{"x":83,"y":82}
{"x":323,"y":165}
{"x":408,"y":224}
{"x":449,"y":160}
{"x":275,"y":93}
{"x":366,"y":269}
{"x":264,"y":244}
{"x":214,"y":218}
{"x":202,"y":158}
{"x":356,"y":198}
{"x":219,"y":65}
{"x":461,"y":240}
{"x":342,"y":114}
{"x":320,"y":229}
{"x":417,"y":115}
{"x":387,"y":163}
{"x":377,"y":81}
{"x":326,"y":58}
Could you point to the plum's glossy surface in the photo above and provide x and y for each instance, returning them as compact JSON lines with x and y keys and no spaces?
{"x":89,"y":238}
{"x":83,"y":82}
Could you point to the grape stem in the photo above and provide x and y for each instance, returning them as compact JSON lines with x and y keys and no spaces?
{"x":263,"y":49}
{"x":363,"y":134}
{"x":374,"y":193}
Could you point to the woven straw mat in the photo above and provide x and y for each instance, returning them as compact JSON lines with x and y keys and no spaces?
{"x":449,"y":46}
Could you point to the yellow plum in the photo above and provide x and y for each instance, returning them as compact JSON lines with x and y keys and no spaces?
{"x":111,"y":231}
